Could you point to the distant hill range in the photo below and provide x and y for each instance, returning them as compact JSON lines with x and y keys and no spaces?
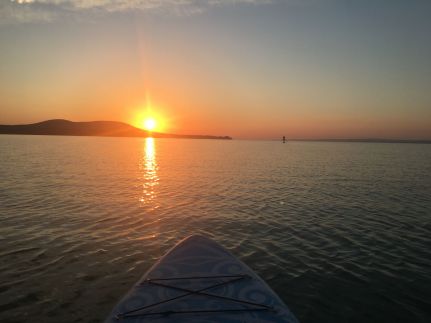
{"x":59,"y":127}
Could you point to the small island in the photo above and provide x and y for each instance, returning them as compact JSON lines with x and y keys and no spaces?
{"x":60,"y":127}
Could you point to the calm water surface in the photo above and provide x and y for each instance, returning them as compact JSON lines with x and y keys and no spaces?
{"x":342,"y":232}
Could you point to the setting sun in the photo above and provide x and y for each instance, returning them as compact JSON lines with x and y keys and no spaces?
{"x":148,"y":118}
{"x":149,"y":124}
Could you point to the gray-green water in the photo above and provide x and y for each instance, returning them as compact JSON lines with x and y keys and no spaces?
{"x":341,"y":231}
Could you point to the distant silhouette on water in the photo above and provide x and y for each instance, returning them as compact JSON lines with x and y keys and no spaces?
{"x":284,"y":139}
{"x":61,"y":127}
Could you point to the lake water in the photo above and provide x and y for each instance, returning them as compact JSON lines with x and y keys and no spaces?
{"x":341,"y":231}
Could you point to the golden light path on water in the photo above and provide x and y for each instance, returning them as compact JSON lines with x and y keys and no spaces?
{"x":150,"y":178}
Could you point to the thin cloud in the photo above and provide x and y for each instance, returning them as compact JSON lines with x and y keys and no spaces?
{"x":24,"y":11}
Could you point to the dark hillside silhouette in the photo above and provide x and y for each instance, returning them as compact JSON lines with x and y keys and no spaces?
{"x":62,"y":127}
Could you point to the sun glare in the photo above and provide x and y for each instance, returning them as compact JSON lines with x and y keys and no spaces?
{"x":149,"y":118}
{"x":149,"y":124}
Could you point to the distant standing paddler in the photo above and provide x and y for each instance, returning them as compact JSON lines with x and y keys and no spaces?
{"x":284,"y":139}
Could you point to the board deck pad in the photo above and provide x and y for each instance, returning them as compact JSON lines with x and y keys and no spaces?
{"x":200,"y":281}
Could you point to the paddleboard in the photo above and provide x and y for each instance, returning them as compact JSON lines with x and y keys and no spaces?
{"x":200,"y":281}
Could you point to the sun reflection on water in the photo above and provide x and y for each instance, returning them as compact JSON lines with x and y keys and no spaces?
{"x":149,"y":168}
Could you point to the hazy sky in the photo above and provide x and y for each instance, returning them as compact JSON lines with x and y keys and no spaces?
{"x":245,"y":68}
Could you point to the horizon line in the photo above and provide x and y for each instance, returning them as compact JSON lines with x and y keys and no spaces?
{"x":322,"y":139}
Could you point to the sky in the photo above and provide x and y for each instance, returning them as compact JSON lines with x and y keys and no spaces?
{"x":252,"y":69}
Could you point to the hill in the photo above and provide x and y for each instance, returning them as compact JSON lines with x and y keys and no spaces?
{"x":60,"y":127}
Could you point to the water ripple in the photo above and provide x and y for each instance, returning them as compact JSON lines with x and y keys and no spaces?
{"x":340,"y":231}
